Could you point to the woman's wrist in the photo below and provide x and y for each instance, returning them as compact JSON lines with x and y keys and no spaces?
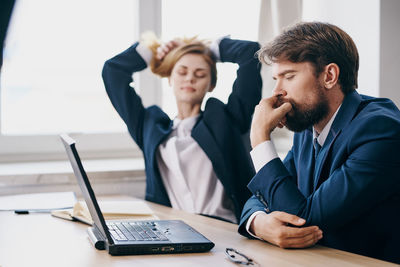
{"x":144,"y":52}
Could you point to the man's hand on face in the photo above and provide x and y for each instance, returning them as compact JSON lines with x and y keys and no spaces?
{"x":268,"y":114}
{"x":273,"y":227}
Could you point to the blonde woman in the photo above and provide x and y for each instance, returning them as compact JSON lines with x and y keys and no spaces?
{"x":198,"y":161}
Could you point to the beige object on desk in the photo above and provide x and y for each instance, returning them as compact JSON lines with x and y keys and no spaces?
{"x":132,"y":209}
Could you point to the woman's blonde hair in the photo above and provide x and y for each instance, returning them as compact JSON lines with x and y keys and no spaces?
{"x":191,"y":45}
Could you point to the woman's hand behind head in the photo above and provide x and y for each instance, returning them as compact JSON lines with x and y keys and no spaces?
{"x":165,"y":48}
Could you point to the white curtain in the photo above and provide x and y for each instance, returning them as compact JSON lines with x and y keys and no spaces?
{"x":274,"y":16}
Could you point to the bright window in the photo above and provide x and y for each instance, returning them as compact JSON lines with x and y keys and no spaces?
{"x":54,"y":53}
{"x":51,"y":77}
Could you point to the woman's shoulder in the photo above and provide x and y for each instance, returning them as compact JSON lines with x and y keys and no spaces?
{"x":213,"y":104}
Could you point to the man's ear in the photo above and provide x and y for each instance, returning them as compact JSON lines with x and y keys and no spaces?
{"x":331,"y":75}
{"x":211,"y":89}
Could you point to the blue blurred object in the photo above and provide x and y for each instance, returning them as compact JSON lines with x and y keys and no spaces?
{"x":6,"y":7}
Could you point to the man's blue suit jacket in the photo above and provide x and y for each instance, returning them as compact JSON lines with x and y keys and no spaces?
{"x":354,"y":193}
{"x":218,"y":131}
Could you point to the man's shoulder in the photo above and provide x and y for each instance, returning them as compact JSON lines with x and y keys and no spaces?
{"x":370,"y":101}
{"x":378,"y":110}
{"x":376,"y":118}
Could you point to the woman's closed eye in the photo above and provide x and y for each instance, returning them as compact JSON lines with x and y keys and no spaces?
{"x":200,"y":74}
{"x":182,"y":72}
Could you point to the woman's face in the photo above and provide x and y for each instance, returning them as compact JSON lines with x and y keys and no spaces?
{"x":190,"y":79}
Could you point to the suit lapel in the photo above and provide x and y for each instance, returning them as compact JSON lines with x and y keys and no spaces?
{"x":344,"y":117}
{"x":157,"y":136}
{"x":206,"y":141}
{"x":306,"y":170}
{"x":321,"y":158}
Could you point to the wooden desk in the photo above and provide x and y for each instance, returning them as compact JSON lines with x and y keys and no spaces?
{"x":42,"y":240}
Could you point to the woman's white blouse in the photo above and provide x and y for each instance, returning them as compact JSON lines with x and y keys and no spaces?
{"x":188,"y":174}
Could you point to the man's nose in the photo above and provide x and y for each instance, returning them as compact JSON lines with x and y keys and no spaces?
{"x":279,"y":90}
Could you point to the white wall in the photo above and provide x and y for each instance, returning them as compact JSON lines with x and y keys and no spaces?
{"x":389,"y":50}
{"x":360,"y":19}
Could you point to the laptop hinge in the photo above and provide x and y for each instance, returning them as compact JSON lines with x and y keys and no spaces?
{"x":96,"y":238}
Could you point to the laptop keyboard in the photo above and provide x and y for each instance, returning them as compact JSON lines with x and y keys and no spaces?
{"x":135,"y":231}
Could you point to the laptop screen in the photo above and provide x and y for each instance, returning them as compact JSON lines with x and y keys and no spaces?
{"x":85,"y":186}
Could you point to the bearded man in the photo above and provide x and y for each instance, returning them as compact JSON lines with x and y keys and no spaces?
{"x":339,"y":185}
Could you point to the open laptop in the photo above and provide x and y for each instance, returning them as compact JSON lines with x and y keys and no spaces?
{"x":128,"y":237}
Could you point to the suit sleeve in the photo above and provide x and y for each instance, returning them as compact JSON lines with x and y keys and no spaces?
{"x":254,"y":204}
{"x":117,"y":76}
{"x":368,"y":175}
{"x":246,"y":91}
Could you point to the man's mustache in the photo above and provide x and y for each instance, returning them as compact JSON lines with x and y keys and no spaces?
{"x":281,"y":100}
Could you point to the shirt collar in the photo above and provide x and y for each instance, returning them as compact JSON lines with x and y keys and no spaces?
{"x":324,"y":133}
{"x":186,"y":123}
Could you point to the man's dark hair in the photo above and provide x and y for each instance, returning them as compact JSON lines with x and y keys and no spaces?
{"x":317,"y":43}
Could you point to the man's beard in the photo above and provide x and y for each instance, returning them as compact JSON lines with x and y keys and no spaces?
{"x":304,"y":116}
